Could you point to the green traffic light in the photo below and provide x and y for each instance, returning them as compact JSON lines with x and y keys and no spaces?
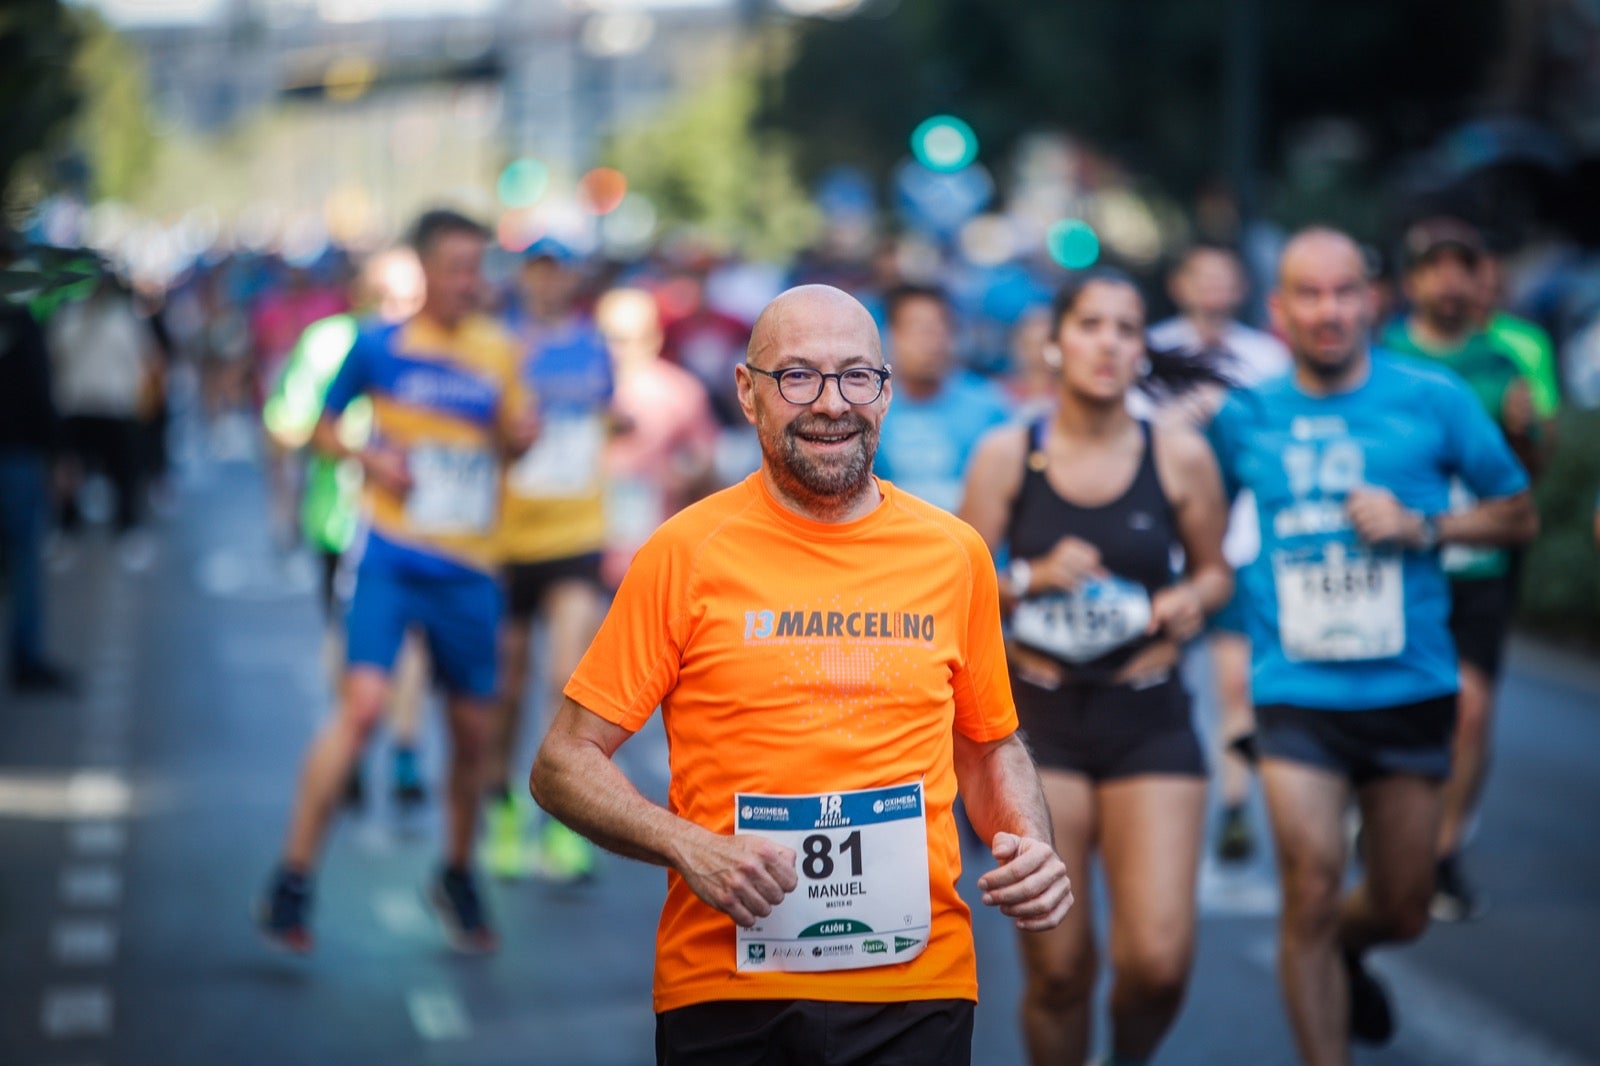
{"x":944,"y":143}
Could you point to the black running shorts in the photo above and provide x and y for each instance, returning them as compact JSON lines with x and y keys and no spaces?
{"x":1411,"y":738}
{"x":527,"y":583}
{"x":1107,"y":732}
{"x":804,"y":1032}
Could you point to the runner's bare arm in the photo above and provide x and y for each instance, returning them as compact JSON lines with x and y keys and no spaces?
{"x":575,"y":779}
{"x":1380,"y":518}
{"x":1001,"y":791}
{"x":1504,"y":520}
{"x":1188,"y":471}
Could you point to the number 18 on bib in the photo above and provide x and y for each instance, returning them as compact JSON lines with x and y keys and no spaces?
{"x":862,"y":898}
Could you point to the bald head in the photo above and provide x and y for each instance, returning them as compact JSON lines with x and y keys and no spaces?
{"x":804,"y":308}
{"x":1320,"y":246}
{"x":1323,"y":306}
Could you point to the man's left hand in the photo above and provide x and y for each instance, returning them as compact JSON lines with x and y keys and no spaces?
{"x":1176,"y":610}
{"x":1030,"y":884}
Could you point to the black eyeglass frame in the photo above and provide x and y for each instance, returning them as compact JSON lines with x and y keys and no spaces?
{"x":883,"y":374}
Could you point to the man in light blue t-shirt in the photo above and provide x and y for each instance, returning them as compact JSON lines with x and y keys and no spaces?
{"x":1350,"y":458}
{"x":940,"y":411}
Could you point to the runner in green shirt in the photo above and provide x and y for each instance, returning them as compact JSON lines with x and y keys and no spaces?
{"x":390,"y":286}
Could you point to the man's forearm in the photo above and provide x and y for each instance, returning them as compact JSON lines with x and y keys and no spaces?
{"x":1000,"y":789}
{"x":1507,"y":521}
{"x":579,"y":784}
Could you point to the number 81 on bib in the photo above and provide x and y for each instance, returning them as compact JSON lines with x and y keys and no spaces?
{"x":862,"y":898}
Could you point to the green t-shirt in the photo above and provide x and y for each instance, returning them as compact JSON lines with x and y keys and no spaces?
{"x":1489,"y":370}
{"x":1530,"y":347}
{"x":330,"y":506}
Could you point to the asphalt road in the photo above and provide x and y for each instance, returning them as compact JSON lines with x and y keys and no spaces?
{"x":139,"y":818}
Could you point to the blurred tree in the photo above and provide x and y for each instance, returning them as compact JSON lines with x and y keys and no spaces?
{"x":707,"y":170}
{"x":38,"y":96}
{"x":113,"y":130}
{"x":1143,"y":82}
{"x":70,"y":88}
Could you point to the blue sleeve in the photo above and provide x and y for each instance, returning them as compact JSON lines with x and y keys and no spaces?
{"x":355,"y":375}
{"x":1478,"y":452}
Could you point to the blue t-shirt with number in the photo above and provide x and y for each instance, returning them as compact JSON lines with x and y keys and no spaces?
{"x":924,"y":445}
{"x":1336,"y":624}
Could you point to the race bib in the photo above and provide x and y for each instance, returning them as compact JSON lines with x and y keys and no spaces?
{"x":1079,"y":626}
{"x":453,"y":489}
{"x":564,"y":462}
{"x":863,"y":897}
{"x":1337,"y":604}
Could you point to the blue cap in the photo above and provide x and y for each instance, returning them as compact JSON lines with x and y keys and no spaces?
{"x":549,"y":248}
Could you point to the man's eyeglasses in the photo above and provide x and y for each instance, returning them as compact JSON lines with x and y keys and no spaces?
{"x":801,"y":385}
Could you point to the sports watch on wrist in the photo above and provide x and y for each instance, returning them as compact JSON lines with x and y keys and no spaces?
{"x":1430,"y":533}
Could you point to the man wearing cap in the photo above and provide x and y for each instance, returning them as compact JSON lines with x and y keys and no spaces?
{"x":552,"y":536}
{"x":1443,"y":259}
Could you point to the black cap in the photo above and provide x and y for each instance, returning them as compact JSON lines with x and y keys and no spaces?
{"x":1434,"y":235}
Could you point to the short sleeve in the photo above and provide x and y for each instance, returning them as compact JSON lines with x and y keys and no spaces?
{"x":985,"y":709}
{"x":1477,"y":451}
{"x":516,"y":396}
{"x":633,"y":661}
{"x":354,"y":376}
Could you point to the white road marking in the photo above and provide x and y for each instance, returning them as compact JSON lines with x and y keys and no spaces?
{"x":83,"y":942}
{"x":91,"y":886}
{"x":400,"y":912}
{"x":438,"y":1015}
{"x":1442,"y":1022}
{"x":76,"y":1011}
{"x":97,"y":838}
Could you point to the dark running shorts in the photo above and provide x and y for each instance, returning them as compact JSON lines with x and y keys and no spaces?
{"x":527,"y":583}
{"x":804,"y":1032}
{"x":1480,"y":619}
{"x":1411,"y":738}
{"x":1107,"y":732}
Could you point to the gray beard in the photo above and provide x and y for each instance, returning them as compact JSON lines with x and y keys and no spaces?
{"x":826,"y":485}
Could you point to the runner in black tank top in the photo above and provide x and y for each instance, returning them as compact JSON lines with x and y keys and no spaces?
{"x":1097,"y":631}
{"x":1088,"y":506}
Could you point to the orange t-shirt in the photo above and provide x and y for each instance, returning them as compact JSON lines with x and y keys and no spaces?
{"x":792,"y":657}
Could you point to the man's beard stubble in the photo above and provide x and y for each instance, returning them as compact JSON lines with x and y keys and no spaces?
{"x":840,"y":480}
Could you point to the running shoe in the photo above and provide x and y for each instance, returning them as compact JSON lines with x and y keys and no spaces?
{"x":504,"y":854}
{"x":284,"y":913}
{"x":564,"y":857}
{"x":1454,"y":898}
{"x":1236,"y":840}
{"x":454,"y":897}
{"x":1371,"y":1016}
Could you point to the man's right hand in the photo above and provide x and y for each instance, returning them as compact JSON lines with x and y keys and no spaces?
{"x":1070,"y":563}
{"x":386,"y":468}
{"x":742,"y":876}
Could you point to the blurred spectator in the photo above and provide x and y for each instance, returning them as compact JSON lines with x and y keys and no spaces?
{"x":937,"y":412}
{"x":27,"y":435}
{"x":1032,"y":378}
{"x":102,"y":360}
{"x":661,"y":457}
{"x":706,"y":342}
{"x":1528,"y":345}
{"x":280,"y":317}
{"x":1208,"y":287}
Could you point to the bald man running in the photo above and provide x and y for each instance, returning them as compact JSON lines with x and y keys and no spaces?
{"x":1350,"y":458}
{"x":827,"y":656}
